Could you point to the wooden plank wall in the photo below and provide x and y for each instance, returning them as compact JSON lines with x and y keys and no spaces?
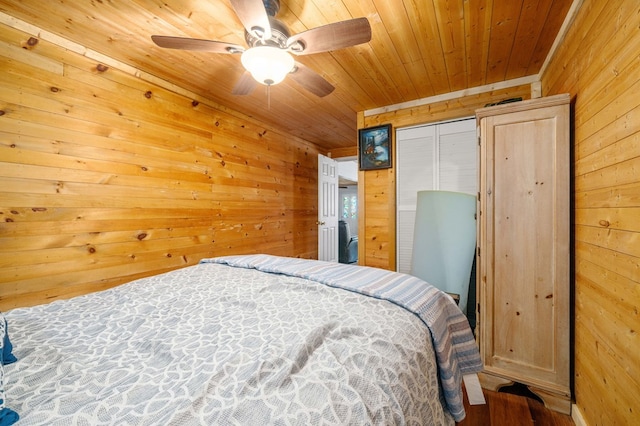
{"x":106,"y":177}
{"x":599,"y":64}
{"x":377,"y":191}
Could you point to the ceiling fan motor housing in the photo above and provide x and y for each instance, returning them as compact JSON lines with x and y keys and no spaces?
{"x":279,"y":31}
{"x":279,"y":35}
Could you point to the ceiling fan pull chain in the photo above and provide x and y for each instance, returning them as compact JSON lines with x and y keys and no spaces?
{"x":269,"y":97}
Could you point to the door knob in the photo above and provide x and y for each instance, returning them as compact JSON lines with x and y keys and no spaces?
{"x":319,"y":222}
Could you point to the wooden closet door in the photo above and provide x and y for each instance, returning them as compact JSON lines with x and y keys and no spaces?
{"x":524,"y":294}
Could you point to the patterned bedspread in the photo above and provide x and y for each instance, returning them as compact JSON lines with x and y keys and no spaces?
{"x":456,"y":350}
{"x":213,"y":344}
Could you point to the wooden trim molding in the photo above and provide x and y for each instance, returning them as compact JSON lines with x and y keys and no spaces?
{"x":577,"y":417}
{"x":454,"y":95}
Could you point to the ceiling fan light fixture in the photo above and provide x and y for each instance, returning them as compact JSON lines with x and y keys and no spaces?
{"x":269,"y":65}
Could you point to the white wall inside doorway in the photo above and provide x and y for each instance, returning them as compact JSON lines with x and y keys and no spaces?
{"x":348,"y":193}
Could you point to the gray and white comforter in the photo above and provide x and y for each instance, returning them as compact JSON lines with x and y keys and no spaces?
{"x":214,"y":344}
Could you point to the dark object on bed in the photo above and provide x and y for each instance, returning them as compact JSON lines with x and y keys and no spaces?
{"x":347,"y":244}
{"x":245,"y":340}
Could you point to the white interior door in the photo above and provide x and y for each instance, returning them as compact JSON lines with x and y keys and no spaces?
{"x":327,"y":209}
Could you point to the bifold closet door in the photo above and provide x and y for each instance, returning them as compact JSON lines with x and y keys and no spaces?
{"x":439,"y":156}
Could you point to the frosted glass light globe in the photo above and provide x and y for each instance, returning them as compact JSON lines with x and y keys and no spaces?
{"x":267,"y":64}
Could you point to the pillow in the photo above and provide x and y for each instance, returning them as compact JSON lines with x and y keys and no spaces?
{"x":7,"y":415}
{"x":6,"y":357}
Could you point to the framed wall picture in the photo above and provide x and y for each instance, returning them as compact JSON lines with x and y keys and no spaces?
{"x":374,"y":147}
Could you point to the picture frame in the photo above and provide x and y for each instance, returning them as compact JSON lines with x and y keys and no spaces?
{"x":374,"y":147}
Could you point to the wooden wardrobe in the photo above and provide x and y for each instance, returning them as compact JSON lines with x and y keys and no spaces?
{"x":523,"y":262}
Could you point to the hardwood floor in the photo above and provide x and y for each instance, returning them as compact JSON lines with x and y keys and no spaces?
{"x":511,"y":409}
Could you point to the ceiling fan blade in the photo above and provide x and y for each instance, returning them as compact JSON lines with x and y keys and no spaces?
{"x":330,"y":37}
{"x":245,"y":85}
{"x":196,"y":44}
{"x":311,"y":80}
{"x":254,"y":18}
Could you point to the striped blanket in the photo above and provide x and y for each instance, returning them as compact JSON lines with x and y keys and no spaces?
{"x":456,"y":350}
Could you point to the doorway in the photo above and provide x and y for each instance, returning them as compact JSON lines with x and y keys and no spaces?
{"x":345,"y":199}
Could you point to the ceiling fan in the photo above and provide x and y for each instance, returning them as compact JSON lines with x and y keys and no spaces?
{"x":268,"y":58}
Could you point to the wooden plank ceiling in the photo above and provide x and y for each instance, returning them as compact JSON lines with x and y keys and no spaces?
{"x":419,"y":48}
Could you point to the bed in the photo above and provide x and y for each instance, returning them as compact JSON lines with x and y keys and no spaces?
{"x":247,"y":340}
